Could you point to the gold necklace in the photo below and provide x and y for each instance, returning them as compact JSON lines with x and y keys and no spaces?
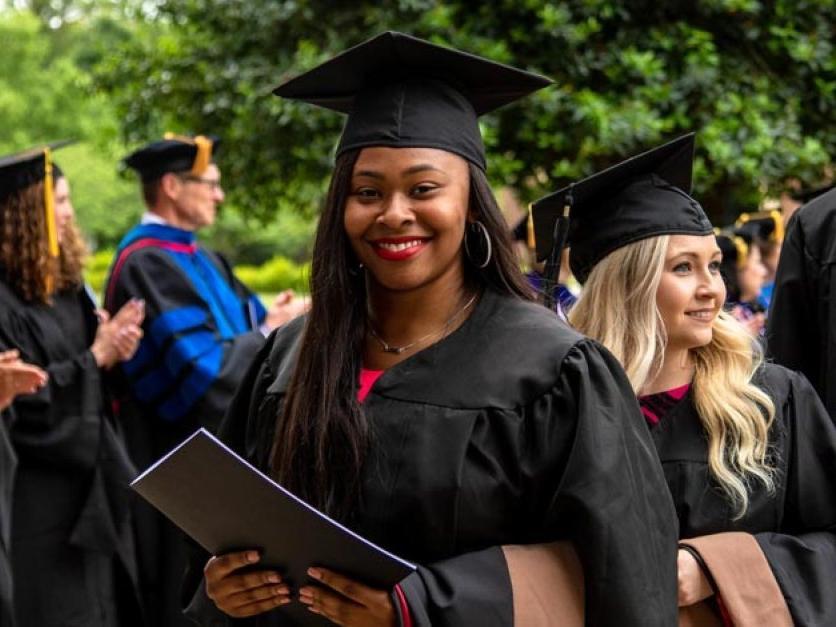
{"x":397,"y":350}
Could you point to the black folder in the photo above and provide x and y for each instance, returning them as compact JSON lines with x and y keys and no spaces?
{"x":226,"y":504}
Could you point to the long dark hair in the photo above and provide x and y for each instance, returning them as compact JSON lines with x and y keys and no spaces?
{"x":322,"y":434}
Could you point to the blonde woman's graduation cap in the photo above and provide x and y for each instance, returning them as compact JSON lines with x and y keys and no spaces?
{"x":644,"y":196}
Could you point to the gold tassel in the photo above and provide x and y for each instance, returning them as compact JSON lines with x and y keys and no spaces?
{"x":49,"y":210}
{"x":778,"y":231}
{"x":204,"y":150}
{"x":530,"y":238}
{"x":49,"y":205}
{"x":742,"y":250}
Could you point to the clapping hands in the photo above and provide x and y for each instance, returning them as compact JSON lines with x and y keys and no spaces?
{"x":117,"y":338}
{"x":17,"y":377}
{"x":285,"y":307}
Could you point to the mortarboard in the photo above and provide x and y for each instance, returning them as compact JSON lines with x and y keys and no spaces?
{"x":402,"y":91}
{"x":644,"y":196}
{"x":735,"y":248}
{"x":23,"y":169}
{"x":761,"y":226}
{"x":173,"y":153}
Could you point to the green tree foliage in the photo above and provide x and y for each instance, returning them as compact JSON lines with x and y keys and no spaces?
{"x":756,"y":78}
{"x":46,"y":94}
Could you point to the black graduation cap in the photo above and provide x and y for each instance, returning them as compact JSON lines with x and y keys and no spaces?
{"x":644,"y":196}
{"x":23,"y":169}
{"x":761,"y":226}
{"x":20,"y":170}
{"x":734,"y":246}
{"x":402,"y":91}
{"x":173,"y":153}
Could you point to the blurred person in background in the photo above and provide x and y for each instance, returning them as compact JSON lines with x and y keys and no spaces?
{"x":765,"y":229}
{"x":73,"y":560}
{"x":203,"y":326}
{"x":801,"y":331}
{"x":744,"y":273}
{"x":16,"y":377}
{"x":563,"y":296}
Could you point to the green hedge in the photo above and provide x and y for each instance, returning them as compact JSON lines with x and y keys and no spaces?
{"x":273,"y":276}
{"x":98,"y":266}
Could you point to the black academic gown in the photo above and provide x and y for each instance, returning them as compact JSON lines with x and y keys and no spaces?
{"x":150,"y":273}
{"x":801,"y":328}
{"x":8,"y":463}
{"x":72,"y":551}
{"x":513,"y":429}
{"x":796,"y":526}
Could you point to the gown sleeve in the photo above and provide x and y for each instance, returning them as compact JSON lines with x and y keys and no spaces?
{"x":182,"y":342}
{"x":803,"y":555}
{"x":603,"y":490}
{"x":59,"y":424}
{"x":793,"y":333}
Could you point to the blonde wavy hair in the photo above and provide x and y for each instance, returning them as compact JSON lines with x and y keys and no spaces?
{"x":618,"y":308}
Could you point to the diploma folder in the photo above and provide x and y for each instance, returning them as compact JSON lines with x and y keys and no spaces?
{"x":226,"y":504}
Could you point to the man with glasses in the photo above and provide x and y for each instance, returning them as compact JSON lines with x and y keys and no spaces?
{"x":202,"y":328}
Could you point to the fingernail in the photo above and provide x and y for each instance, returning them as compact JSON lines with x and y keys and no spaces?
{"x":280,"y":590}
{"x":273,"y":578}
{"x":252,"y":556}
{"x":315,"y":573}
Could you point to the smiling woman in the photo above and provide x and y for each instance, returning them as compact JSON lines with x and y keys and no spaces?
{"x":426,"y":401}
{"x":752,"y":487}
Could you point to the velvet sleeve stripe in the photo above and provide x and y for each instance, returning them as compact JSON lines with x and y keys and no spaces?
{"x":187,"y":349}
{"x":142,"y":358}
{"x":176,"y":321}
{"x":184,"y":351}
{"x":194,"y":386}
{"x":546,"y":582}
{"x":744,"y":581}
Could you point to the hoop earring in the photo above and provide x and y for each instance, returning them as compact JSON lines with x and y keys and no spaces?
{"x":356,"y":270}
{"x":478,"y":227}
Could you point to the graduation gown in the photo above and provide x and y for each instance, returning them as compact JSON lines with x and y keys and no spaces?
{"x":72,"y":551}
{"x":514,"y":429}
{"x":801,"y":328}
{"x":794,"y":528}
{"x":201,"y":332}
{"x":8,"y":463}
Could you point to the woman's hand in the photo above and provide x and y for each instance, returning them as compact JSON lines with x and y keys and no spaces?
{"x":346,"y":602}
{"x":118,"y":338}
{"x":693,"y":584}
{"x":243,"y":594}
{"x":285,"y":307}
{"x":17,"y":377}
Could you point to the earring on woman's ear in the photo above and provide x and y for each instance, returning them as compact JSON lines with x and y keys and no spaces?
{"x":481,"y":232}
{"x":355,"y":270}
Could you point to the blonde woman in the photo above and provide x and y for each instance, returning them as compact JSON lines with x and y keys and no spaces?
{"x":748,"y":451}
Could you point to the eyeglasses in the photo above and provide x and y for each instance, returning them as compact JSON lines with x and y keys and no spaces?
{"x":213,"y":183}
